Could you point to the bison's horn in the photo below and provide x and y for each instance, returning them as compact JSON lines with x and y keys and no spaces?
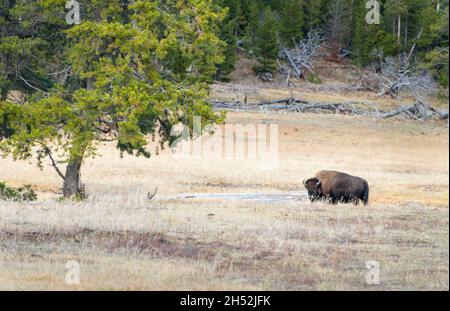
{"x":152,"y":195}
{"x":318,"y":183}
{"x":304,"y":182}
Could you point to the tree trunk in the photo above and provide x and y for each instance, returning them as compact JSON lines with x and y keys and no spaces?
{"x":349,"y":36}
{"x":72,"y":186}
{"x":406,"y":32}
{"x":72,"y":183}
{"x":399,"y":20}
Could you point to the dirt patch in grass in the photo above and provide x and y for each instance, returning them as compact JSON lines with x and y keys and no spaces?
{"x":155,"y":244}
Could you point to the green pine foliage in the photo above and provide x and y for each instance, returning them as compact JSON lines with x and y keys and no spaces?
{"x":315,"y":14}
{"x":228,"y":33}
{"x":267,"y":42}
{"x":134,"y":68}
{"x":25,"y":27}
{"x":291,"y":16}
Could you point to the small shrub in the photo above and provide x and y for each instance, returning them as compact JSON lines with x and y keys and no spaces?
{"x":314,"y":78}
{"x":24,"y":193}
{"x":258,"y":69}
{"x":442,"y":94}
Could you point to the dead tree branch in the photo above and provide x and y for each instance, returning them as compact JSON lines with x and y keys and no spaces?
{"x":300,"y":57}
{"x":151,"y":195}
{"x":397,"y":74}
{"x":416,"y":111}
{"x":55,"y":166}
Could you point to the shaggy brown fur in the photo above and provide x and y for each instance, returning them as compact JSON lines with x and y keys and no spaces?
{"x":337,"y":187}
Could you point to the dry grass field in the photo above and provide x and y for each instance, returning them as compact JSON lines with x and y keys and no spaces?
{"x":123,"y":241}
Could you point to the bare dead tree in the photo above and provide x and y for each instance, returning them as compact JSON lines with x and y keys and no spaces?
{"x":417,"y":111}
{"x":400,"y":74}
{"x":397,"y":75}
{"x":300,"y":57}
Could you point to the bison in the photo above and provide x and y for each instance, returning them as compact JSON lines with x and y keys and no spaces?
{"x":337,"y":187}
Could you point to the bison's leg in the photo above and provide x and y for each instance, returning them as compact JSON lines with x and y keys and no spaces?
{"x":363,"y":199}
{"x":343,"y":199}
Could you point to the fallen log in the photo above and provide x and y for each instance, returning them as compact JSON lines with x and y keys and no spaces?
{"x":416,"y":111}
{"x":419,"y":111}
{"x":288,"y":101}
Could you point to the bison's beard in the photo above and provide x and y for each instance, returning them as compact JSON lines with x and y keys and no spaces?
{"x":315,"y":197}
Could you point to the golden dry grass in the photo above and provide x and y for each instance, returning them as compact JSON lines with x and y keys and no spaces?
{"x":123,"y":241}
{"x":259,"y":92}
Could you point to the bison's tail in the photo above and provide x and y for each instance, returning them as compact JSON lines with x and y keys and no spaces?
{"x":366,"y":193}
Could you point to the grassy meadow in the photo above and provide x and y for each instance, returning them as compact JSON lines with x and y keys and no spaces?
{"x":124,"y":241}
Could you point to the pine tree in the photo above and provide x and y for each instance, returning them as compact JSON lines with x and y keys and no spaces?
{"x":267,"y":42}
{"x":291,"y":21}
{"x":396,"y":10}
{"x":359,"y":33}
{"x":436,"y":57}
{"x":253,"y":10}
{"x":127,"y":79}
{"x":227,"y":35}
{"x":315,"y":14}
{"x":369,"y":42}
{"x":340,"y":16}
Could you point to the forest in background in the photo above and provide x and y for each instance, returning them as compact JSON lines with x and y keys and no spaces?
{"x":263,"y":27}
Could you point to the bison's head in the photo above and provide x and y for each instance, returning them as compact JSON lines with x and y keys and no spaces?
{"x":313,"y":186}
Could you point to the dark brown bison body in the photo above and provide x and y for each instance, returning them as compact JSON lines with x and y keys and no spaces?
{"x":337,"y":187}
